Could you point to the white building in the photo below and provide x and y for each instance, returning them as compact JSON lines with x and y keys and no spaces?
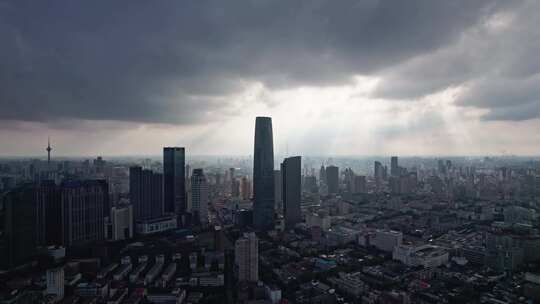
{"x":273,"y":293}
{"x":157,"y":225}
{"x":317,"y":220}
{"x":55,"y":282}
{"x":428,"y":256}
{"x":246,"y":252}
{"x":386,"y":240}
{"x":122,"y":222}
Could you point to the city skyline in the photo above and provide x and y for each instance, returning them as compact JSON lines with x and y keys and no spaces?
{"x":415,"y":80}
{"x":269,"y":152}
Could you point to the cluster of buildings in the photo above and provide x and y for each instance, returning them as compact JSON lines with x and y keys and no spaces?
{"x":257,"y":230}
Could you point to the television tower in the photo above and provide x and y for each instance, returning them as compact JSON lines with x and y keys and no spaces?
{"x":49,"y":149}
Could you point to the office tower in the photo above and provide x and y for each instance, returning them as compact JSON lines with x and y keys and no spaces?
{"x":360,"y":184}
{"x":82,"y":211}
{"x":55,"y":282}
{"x":19,"y":225}
{"x":310,"y":184}
{"x":378,"y":173}
{"x":322,"y":176}
{"x":188,"y":172}
{"x":394,"y":167}
{"x":99,"y":165}
{"x":121,"y":222}
{"x":245,"y":188}
{"x":229,"y":276}
{"x":263,"y":175}
{"x":219,"y":238}
{"x":292,"y":192}
{"x":48,"y":214}
{"x":174,"y":184}
{"x":232,"y":174}
{"x":145,"y":193}
{"x":199,"y":196}
{"x":441,"y":166}
{"x":394,"y":183}
{"x":246,"y":252}
{"x":332,"y":179}
{"x":277,"y":188}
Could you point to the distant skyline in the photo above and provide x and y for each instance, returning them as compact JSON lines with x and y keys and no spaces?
{"x":346,"y":78}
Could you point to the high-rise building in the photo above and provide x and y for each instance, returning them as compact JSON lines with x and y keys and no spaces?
{"x":232,"y":179}
{"x":277,"y":192}
{"x":245,"y":188}
{"x":394,"y":166}
{"x":263,"y":175}
{"x":121,"y":222}
{"x":48,"y":214}
{"x":322,"y":176}
{"x":310,"y":184}
{"x":82,"y":211}
{"x":199,"y":196}
{"x":235,"y":188}
{"x":378,"y":173}
{"x":360,"y":184}
{"x":291,"y":170}
{"x":19,"y":225}
{"x":145,"y":193}
{"x":55,"y":283}
{"x":246,"y":252}
{"x":332,"y":179}
{"x":174,"y":183}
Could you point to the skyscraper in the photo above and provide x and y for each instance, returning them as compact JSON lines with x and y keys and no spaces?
{"x":145,"y":193}
{"x":378,"y":173}
{"x":322,"y":176}
{"x":360,"y":184}
{"x":277,"y":186}
{"x":291,"y":190}
{"x":19,"y":226}
{"x":394,"y":167}
{"x":199,"y":196}
{"x":263,"y":175}
{"x":246,"y":252}
{"x":48,"y":214}
{"x":82,"y":211}
{"x":332,"y":179}
{"x":55,"y":282}
{"x":245,"y":188}
{"x":174,"y":184}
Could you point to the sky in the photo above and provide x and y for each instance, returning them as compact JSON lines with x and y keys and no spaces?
{"x":366,"y":77}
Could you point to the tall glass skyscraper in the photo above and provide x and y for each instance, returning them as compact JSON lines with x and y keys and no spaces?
{"x":291,"y":171}
{"x":174,"y":180}
{"x":263,"y":175}
{"x":145,"y":193}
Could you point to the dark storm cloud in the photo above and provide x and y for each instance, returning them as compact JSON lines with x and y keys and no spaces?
{"x":495,"y":63}
{"x":177,"y":61}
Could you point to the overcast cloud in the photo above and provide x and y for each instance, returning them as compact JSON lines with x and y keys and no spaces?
{"x":65,"y":64}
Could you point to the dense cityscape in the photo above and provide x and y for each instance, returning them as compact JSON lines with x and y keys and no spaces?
{"x":267,"y":229}
{"x":270,"y":152}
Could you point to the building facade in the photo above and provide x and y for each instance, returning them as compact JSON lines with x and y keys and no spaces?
{"x":174,"y":180}
{"x":247,"y":258}
{"x":82,"y":211}
{"x":199,"y":196}
{"x":145,"y":193}
{"x":291,"y":170}
{"x":263,"y":175}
